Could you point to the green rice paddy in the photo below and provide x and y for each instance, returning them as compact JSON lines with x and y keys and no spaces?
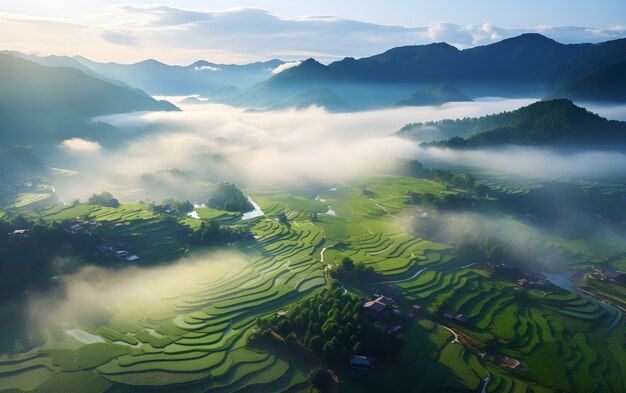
{"x":194,"y":340}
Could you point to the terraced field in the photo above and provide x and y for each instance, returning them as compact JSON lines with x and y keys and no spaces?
{"x":196,"y":335}
{"x":558,"y":335}
{"x":191,"y":334}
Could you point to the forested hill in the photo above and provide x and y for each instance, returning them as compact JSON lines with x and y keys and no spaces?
{"x":40,"y":104}
{"x":553,"y":122}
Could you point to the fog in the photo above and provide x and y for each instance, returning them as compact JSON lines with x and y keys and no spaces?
{"x":93,"y":295}
{"x":213,"y":143}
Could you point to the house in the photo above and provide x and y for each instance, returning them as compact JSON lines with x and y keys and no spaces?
{"x":508,"y":362}
{"x":78,"y":227}
{"x":391,"y":291}
{"x":523,"y":283}
{"x":417,"y":307}
{"x":462,"y":318}
{"x":19,"y":233}
{"x":378,"y":305}
{"x":132,"y":258}
{"x":281,"y":314}
{"x":362,"y":362}
{"x":121,"y":254}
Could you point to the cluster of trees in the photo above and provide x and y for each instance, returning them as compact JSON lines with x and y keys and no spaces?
{"x":356,"y":273}
{"x":444,"y":201}
{"x":27,"y":261}
{"x":541,"y":123}
{"x":227,"y":196}
{"x":210,"y":233}
{"x":333,"y":325}
{"x":414,"y":168}
{"x":104,"y":198}
{"x":179,"y":207}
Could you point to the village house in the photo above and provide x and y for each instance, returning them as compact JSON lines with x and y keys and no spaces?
{"x":461,"y":318}
{"x":362,"y":362}
{"x":378,"y":306}
{"x":19,"y":233}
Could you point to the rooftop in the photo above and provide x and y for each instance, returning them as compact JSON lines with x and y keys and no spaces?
{"x":379,"y":304}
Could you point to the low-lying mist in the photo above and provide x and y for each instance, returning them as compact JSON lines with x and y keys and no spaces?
{"x":94,"y":295}
{"x":214,"y":143}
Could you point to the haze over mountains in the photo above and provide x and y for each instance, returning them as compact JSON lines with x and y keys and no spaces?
{"x":41,"y":105}
{"x":529,"y":65}
{"x":48,"y":99}
{"x":554,"y":123}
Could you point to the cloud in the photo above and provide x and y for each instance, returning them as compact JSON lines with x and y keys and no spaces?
{"x":177,"y":35}
{"x":206,"y":68}
{"x":80,"y":146}
{"x":220,"y":143}
{"x":94,"y":294}
{"x":534,"y":162}
{"x":118,"y":38}
{"x":285,"y":66}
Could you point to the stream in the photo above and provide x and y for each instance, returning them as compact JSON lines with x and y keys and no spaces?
{"x":564,"y":280}
{"x":257,"y":212}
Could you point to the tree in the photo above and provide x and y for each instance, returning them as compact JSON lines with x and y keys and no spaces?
{"x":105,"y":198}
{"x":321,"y":379}
{"x":228,"y":197}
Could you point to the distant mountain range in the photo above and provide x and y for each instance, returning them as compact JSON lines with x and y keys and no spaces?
{"x":434,"y":95}
{"x":557,"y":122}
{"x":156,"y":78}
{"x":606,"y":84}
{"x":42,"y":105}
{"x":529,"y":65}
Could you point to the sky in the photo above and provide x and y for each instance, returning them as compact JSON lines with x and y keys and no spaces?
{"x":224,"y":31}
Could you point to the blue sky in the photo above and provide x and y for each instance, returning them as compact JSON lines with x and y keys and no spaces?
{"x":513,"y":13}
{"x":181,"y":31}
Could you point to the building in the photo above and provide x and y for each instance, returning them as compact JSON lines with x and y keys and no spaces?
{"x":449,"y":315}
{"x":508,"y":362}
{"x":462,"y":318}
{"x":396,"y":329}
{"x":19,"y":233}
{"x":281,"y":314}
{"x":391,"y":291}
{"x":132,"y":258}
{"x":379,"y":305}
{"x":417,"y":307}
{"x":362,"y":362}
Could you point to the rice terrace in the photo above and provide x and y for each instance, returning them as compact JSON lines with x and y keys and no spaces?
{"x":371,"y":201}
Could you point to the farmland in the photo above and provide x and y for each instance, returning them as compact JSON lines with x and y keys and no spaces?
{"x":192,"y":334}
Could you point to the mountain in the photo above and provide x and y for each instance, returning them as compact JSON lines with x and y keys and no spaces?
{"x":40,"y":104}
{"x":522,"y":66}
{"x":545,"y":123}
{"x":200,"y":77}
{"x":434,"y":95}
{"x":320,"y":97}
{"x":18,"y":162}
{"x":607,"y":84}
